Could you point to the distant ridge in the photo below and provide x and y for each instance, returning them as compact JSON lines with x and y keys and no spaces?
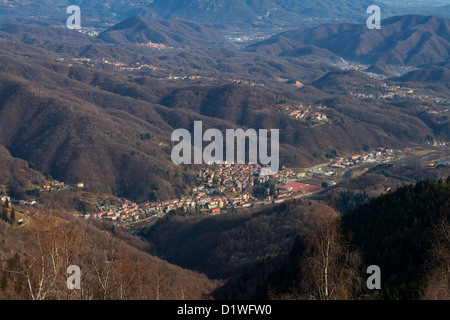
{"x":221,"y":14}
{"x":343,"y":80}
{"x":411,"y":40}
{"x":174,"y":32}
{"x":438,"y":75}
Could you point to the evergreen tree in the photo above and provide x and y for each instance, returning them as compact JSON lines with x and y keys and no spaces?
{"x":13,"y":216}
{"x":4,"y":214}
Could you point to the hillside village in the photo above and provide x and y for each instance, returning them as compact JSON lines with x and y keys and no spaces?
{"x":221,"y":188}
{"x":305,"y":113}
{"x":226,"y":187}
{"x":388,"y":92}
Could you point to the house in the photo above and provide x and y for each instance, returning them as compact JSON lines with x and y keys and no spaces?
{"x":80,"y":185}
{"x":57,"y":183}
{"x":3,"y":199}
{"x":215,"y":211}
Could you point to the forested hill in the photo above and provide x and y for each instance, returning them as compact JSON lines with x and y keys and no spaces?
{"x":394,"y":231}
{"x":405,"y":233}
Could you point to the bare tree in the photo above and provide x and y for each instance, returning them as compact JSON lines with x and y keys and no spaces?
{"x":437,"y":285}
{"x":103,"y":266}
{"x":45,"y":260}
{"x":329,"y":269}
{"x":110,"y":268}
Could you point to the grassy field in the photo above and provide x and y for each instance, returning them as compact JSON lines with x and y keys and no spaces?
{"x":422,"y":152}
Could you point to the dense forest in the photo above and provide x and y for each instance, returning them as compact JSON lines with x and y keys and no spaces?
{"x":397,"y":232}
{"x":406,"y":233}
{"x":226,"y":245}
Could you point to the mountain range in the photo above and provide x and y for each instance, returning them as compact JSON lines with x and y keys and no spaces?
{"x":428,"y":75}
{"x":410,"y":40}
{"x":168,"y":32}
{"x":96,"y":109}
{"x":259,"y":14}
{"x":222,"y":14}
{"x":92,"y":122}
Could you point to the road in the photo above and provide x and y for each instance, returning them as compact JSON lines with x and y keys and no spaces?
{"x":155,"y":216}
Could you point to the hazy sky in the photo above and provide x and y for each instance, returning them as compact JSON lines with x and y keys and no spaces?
{"x":426,"y":1}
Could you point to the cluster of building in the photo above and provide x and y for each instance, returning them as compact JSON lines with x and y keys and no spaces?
{"x":55,"y":185}
{"x":191,"y":77}
{"x":241,"y":177}
{"x":140,"y":66}
{"x":120,"y":65}
{"x":157,"y":46}
{"x":390,"y":92}
{"x":247,"y":83}
{"x":235,"y":177}
{"x":4,"y":199}
{"x":91,"y":62}
{"x":437,"y":112}
{"x":378,"y":156}
{"x":90,"y":31}
{"x":435,"y":143}
{"x":305,"y":112}
{"x":387,"y":92}
{"x":221,"y":188}
{"x":127,"y":211}
{"x":350,"y":66}
{"x":9,"y":200}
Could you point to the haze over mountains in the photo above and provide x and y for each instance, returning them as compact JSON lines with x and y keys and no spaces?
{"x":263,"y":14}
{"x":406,"y":40}
{"x":222,"y":14}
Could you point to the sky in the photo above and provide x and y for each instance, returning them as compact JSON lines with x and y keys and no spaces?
{"x":423,"y":1}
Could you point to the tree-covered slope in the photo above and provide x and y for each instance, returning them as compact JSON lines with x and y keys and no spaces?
{"x":404,"y":232}
{"x":394,"y":232}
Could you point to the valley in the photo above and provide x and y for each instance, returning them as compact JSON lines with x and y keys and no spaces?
{"x":231,"y":188}
{"x":86,"y":148}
